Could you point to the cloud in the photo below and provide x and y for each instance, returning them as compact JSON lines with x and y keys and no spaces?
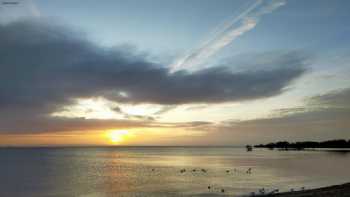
{"x":47,"y":124}
{"x":45,"y":66}
{"x":324,"y":117}
{"x":247,"y":20}
{"x":44,"y":124}
{"x":134,"y":117}
{"x":334,"y":99}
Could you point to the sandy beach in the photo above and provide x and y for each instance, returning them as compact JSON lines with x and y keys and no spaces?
{"x":331,"y":191}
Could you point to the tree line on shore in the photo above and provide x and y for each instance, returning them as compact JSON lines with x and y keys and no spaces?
{"x":341,"y":143}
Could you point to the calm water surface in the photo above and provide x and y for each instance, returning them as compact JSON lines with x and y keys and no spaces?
{"x":104,"y":172}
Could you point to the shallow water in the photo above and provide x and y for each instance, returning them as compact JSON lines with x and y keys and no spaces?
{"x":127,"y":171}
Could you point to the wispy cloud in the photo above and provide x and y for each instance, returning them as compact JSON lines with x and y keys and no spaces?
{"x":226,"y":34}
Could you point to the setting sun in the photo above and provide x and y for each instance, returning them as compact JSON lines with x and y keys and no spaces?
{"x":118,"y":136}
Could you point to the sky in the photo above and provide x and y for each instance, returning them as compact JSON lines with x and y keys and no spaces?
{"x":162,"y":72}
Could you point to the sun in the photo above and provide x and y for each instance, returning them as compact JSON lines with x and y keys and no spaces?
{"x":118,"y":136}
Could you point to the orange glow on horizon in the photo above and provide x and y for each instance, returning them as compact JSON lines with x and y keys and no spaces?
{"x":109,"y":137}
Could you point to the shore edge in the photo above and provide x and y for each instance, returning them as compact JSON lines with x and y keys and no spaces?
{"x":342,"y":190}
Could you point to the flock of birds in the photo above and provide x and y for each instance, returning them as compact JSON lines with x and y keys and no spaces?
{"x":249,"y":171}
{"x":263,"y":191}
{"x":260,"y":192}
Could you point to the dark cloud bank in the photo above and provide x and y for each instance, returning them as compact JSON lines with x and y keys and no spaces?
{"x":43,"y":66}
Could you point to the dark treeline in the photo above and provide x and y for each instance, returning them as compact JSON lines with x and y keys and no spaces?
{"x":306,"y":144}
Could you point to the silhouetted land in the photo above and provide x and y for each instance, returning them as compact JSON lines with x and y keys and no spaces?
{"x":332,"y":191}
{"x":306,"y":144}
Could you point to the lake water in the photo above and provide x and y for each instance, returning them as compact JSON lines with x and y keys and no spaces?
{"x":127,"y":171}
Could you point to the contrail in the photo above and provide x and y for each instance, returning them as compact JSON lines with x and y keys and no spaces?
{"x":247,"y":20}
{"x":33,"y":9}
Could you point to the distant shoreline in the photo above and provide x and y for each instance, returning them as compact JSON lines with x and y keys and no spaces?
{"x":337,"y":150}
{"x":339,"y":143}
{"x":342,"y":190}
